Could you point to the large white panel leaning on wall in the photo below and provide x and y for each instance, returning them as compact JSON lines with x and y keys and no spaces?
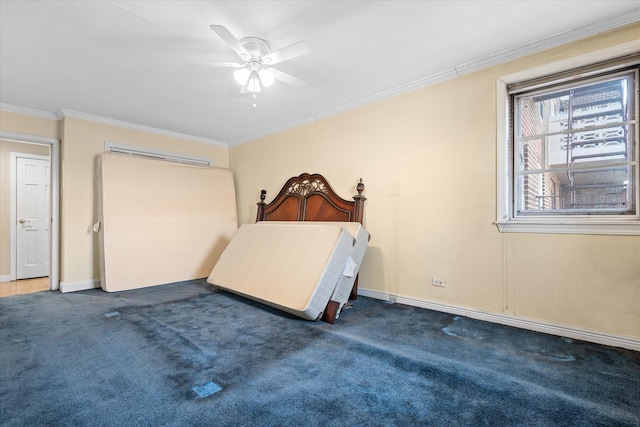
{"x":161,"y":222}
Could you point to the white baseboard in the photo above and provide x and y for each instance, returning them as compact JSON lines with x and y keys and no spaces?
{"x":79,"y":286}
{"x":518,"y":322}
{"x":6,"y":278}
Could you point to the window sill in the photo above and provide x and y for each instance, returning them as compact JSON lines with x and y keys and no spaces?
{"x":625,"y":227}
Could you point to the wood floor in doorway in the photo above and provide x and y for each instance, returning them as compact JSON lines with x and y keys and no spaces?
{"x":24,"y":286}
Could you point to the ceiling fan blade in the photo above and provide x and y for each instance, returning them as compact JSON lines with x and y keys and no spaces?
{"x":214,"y":64}
{"x":230,"y":39}
{"x":289,"y":52}
{"x":288,"y":78}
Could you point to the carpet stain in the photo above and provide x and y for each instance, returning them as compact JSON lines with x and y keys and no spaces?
{"x":621,"y":376}
{"x":449,"y":332}
{"x":456,"y":330}
{"x":206,"y":390}
{"x":558,"y":357}
{"x":561,"y":358}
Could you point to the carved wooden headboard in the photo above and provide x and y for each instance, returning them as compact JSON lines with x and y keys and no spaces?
{"x":309,"y":197}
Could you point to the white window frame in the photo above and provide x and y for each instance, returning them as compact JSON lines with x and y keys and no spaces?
{"x":565,"y":224}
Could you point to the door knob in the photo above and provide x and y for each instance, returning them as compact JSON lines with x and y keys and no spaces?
{"x":22,"y":221}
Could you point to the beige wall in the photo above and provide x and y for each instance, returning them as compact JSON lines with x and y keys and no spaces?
{"x":428,"y":159}
{"x":6,"y":148}
{"x":82,"y":142}
{"x":31,"y":125}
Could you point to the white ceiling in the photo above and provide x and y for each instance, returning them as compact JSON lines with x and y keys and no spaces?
{"x":125,"y":60}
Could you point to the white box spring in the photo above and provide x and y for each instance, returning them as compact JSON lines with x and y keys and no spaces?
{"x":294,"y":268}
{"x":347,"y":279}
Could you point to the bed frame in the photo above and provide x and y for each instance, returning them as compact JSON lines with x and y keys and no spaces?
{"x":309,"y":197}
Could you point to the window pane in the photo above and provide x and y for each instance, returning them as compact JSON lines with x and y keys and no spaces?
{"x":577,"y":191}
{"x":531,"y":155}
{"x":598,"y":145}
{"x":605,"y":144}
{"x":538,"y":192}
{"x":534,"y":116}
{"x":599,"y":103}
{"x":584,"y":106}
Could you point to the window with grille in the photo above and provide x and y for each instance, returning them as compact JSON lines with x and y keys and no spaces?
{"x":574,"y":145}
{"x":568,"y":146}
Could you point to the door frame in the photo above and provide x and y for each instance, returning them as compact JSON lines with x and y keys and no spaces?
{"x":54,"y":241}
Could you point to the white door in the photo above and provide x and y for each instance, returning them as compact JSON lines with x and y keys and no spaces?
{"x":32,"y":214}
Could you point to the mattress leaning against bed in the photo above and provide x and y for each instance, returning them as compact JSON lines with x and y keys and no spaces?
{"x":348,"y":277}
{"x":292,"y":267}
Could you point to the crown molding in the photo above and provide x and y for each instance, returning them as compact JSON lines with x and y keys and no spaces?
{"x":30,"y":112}
{"x":417,"y":84}
{"x":104,"y":120}
{"x":142,"y":128}
{"x":491,"y":60}
{"x":398,"y":90}
{"x":462,"y":69}
{"x":273,"y":131}
{"x":546,"y":43}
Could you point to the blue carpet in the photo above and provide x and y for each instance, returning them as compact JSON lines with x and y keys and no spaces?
{"x":187,"y":354}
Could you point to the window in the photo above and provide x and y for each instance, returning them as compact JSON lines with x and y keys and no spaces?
{"x":578,"y":156}
{"x":571,"y":155}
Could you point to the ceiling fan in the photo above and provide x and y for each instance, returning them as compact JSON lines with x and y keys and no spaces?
{"x":255,"y":71}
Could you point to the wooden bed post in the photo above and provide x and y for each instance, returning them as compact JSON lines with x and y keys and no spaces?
{"x":261,"y":204}
{"x":359,"y":198}
{"x":359,"y":216}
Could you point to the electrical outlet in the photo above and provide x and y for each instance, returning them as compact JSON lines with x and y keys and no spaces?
{"x":436,"y":281}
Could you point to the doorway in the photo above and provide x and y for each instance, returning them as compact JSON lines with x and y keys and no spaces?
{"x":31,"y":184}
{"x":30,"y":170}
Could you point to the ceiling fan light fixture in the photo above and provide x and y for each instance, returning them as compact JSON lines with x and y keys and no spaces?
{"x":254,"y":70}
{"x":267,"y":77}
{"x":242,"y":76}
{"x":253,"y":85}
